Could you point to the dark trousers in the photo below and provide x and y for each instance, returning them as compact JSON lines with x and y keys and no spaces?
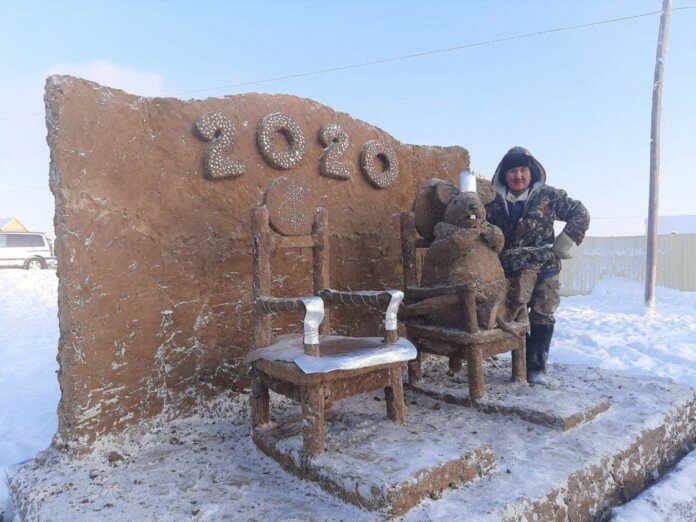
{"x":544,"y":302}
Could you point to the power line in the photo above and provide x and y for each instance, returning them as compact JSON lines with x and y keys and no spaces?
{"x":437,"y":51}
{"x":30,"y":115}
{"x":592,"y":218}
{"x":3,"y":184}
{"x":641,"y":217}
{"x":403,"y":57}
{"x":27,"y":174}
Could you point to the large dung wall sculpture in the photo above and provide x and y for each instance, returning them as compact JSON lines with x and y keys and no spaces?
{"x":153,"y":198}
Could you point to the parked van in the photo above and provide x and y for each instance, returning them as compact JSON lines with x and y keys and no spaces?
{"x":29,"y":250}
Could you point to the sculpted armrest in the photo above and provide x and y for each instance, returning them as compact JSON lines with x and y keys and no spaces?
{"x":420,"y":293}
{"x":427,"y":300}
{"x":389,"y":298}
{"x":313,"y":309}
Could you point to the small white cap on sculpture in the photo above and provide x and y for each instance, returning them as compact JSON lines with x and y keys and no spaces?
{"x":467,"y":181}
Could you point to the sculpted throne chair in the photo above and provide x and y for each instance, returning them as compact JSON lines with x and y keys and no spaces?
{"x":487,"y":326}
{"x":315,"y":370}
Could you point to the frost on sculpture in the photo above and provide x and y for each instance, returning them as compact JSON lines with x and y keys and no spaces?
{"x":220,"y":131}
{"x":267,"y":130}
{"x":336,"y":140}
{"x":375,"y":151}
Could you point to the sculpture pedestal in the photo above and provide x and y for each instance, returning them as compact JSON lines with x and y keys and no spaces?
{"x":210,"y":467}
{"x":378,"y":465}
{"x":564,"y":405}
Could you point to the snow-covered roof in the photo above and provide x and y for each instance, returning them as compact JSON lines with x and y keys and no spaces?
{"x":12,"y":224}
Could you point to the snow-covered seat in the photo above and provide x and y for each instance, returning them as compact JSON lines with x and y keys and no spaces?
{"x":317,"y":370}
{"x":336,"y":352}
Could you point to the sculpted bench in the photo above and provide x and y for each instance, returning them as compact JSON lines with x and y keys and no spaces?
{"x":311,"y":369}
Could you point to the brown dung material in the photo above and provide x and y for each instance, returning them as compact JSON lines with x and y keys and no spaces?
{"x":429,"y":209}
{"x":154,"y":256}
{"x":465,"y":251}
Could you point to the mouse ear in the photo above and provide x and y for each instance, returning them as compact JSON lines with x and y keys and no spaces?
{"x":446,"y":192}
{"x":485,"y":189}
{"x":432,"y":182}
{"x":428,"y":208}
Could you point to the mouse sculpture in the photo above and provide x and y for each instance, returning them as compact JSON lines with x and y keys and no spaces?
{"x":464,"y":255}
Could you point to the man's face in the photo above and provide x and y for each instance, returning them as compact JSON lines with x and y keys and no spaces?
{"x":518,"y":179}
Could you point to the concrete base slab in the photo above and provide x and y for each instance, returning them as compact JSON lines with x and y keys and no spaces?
{"x":376,"y":464}
{"x":207,"y":468}
{"x":565,"y":407}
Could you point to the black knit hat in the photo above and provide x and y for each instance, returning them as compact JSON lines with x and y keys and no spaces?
{"x":516,"y":159}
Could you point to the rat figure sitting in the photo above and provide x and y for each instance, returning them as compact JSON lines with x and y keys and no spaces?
{"x":464,"y":252}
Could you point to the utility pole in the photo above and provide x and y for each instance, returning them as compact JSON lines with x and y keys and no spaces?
{"x":651,"y":254}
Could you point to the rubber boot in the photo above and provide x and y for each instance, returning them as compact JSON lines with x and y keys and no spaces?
{"x":538,"y":344}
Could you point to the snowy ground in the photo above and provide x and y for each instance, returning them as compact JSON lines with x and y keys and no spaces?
{"x":609,"y":329}
{"x":612,"y":329}
{"x":28,"y":385}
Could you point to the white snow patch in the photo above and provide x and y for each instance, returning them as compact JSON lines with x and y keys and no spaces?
{"x":612,"y":329}
{"x":672,"y":498}
{"x":28,"y":385}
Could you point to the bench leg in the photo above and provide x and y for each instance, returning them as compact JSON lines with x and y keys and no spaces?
{"x":312,"y":421}
{"x":475,"y":367}
{"x":455,"y":363}
{"x":259,"y":402}
{"x":519,"y":363}
{"x":415,"y":370}
{"x":394,"y":395}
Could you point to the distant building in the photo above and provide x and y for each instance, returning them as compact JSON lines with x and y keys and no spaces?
{"x":676,"y":225}
{"x":12,"y":225}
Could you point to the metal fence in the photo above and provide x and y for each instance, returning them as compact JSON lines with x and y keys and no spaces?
{"x":624,"y":257}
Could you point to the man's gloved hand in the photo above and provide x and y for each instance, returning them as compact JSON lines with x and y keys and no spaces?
{"x":562,"y":245}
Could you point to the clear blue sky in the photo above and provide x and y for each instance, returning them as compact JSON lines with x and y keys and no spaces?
{"x":580,"y":100}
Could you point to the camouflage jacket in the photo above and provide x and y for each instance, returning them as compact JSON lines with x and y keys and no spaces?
{"x":544,"y":205}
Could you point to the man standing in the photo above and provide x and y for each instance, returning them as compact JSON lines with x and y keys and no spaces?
{"x":525,"y":208}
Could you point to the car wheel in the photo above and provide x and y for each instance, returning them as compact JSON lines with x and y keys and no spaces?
{"x":34,"y":263}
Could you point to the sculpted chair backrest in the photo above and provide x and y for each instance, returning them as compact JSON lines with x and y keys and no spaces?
{"x":288,"y":219}
{"x":289,"y":233}
{"x":410,"y":244}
